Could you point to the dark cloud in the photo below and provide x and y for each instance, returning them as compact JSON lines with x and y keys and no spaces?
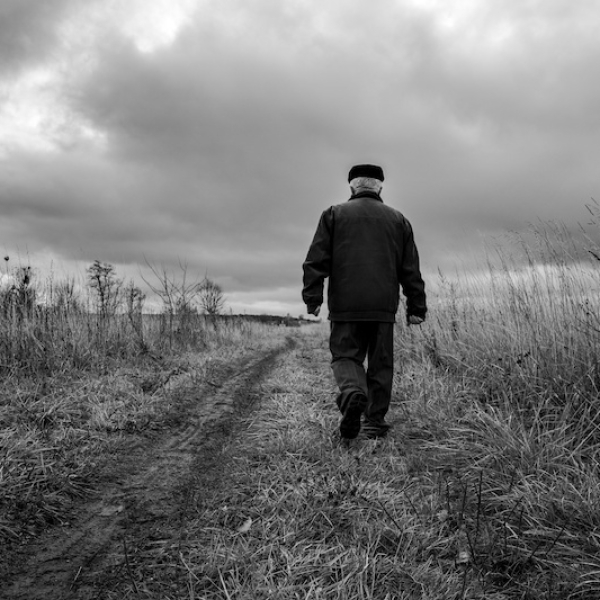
{"x":29,"y":30}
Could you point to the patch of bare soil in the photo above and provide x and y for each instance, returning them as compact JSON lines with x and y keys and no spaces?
{"x":129,"y":533}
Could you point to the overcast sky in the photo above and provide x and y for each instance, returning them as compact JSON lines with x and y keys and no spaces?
{"x":216,"y":132}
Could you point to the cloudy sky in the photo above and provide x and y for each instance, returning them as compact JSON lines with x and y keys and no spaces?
{"x":214,"y":132}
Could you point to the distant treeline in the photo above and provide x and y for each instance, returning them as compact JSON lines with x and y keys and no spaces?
{"x":288,"y":320}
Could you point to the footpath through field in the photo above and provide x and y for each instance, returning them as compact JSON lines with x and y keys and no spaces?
{"x":129,"y":538}
{"x":301,"y":515}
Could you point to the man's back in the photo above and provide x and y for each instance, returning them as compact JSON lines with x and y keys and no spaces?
{"x":367,"y":247}
{"x":367,"y":250}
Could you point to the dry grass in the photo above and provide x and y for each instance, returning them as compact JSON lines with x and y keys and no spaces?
{"x":63,"y":416}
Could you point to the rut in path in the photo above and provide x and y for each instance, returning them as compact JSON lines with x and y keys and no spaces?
{"x":141,"y":515}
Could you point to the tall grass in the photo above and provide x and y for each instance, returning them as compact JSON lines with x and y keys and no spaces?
{"x":525,"y":331}
{"x":507,"y":374}
{"x":75,"y":385}
{"x":37,"y":340}
{"x":534,"y":326}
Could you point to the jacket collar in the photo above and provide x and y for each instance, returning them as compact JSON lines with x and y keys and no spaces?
{"x":366,"y":194}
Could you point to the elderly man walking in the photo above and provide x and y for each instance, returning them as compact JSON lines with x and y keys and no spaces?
{"x":368,"y":252}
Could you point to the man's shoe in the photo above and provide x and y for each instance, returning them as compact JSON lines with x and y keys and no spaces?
{"x":350,"y":423}
{"x":373,"y":431}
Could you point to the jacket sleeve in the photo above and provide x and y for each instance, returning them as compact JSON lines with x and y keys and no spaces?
{"x":318,"y":261}
{"x":409,"y":275}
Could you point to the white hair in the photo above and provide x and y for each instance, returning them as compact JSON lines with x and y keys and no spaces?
{"x":366,"y":183}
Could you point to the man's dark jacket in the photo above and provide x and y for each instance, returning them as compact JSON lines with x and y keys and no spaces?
{"x":367,"y":250}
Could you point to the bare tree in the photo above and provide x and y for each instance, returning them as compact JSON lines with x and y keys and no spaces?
{"x":179,"y":297}
{"x":103,"y":281}
{"x":177,"y":294}
{"x":212,"y":299}
{"x":134,"y":299}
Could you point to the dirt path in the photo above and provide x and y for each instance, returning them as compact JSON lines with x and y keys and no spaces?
{"x":138,"y":518}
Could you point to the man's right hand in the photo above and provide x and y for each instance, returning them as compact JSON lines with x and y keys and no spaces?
{"x":414,"y":320}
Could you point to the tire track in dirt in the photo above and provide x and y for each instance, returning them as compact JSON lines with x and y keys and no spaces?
{"x":138,"y":520}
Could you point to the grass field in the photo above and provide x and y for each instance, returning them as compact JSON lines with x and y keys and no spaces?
{"x":473,"y":495}
{"x":77,"y":390}
{"x":486,"y":488}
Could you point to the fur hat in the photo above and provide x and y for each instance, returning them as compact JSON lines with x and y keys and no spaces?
{"x":371,"y":171}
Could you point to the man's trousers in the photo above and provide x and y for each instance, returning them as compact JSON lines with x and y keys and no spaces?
{"x":350,"y":343}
